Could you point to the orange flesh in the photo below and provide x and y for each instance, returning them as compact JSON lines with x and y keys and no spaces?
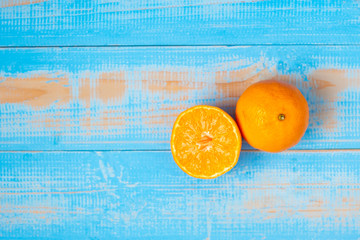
{"x":205,"y":142}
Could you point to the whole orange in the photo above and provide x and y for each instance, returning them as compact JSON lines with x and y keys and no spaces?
{"x":272,"y":115}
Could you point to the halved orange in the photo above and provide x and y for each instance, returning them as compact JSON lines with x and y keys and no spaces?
{"x":205,"y":142}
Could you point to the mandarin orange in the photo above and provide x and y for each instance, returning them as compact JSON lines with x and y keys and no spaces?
{"x":205,"y":142}
{"x":272,"y":115}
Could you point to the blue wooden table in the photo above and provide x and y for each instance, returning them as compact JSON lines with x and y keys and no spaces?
{"x":89,"y":91}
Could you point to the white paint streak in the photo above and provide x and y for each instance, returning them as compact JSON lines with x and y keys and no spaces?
{"x":110,"y":170}
{"x":120,"y":179}
{"x":103,"y":170}
{"x":132,"y":215}
{"x":208,"y":228}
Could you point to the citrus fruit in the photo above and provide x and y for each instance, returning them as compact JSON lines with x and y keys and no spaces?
{"x":272,"y":115}
{"x":205,"y":142}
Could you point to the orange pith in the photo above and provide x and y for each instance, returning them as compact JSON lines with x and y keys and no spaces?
{"x":272,"y":115}
{"x":205,"y":142}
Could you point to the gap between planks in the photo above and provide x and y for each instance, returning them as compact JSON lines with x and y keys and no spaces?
{"x":167,"y":150}
{"x":183,"y":45}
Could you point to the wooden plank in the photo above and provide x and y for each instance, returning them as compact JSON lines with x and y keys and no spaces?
{"x":128,"y":98}
{"x":144,"y":195}
{"x":178,"y":22}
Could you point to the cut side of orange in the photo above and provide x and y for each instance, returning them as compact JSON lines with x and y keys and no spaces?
{"x":205,"y":142}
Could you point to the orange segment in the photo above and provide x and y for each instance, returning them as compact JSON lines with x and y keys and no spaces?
{"x":205,"y":142}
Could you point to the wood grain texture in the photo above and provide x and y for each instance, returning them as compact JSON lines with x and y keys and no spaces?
{"x":79,"y":93}
{"x":128,"y":98}
{"x":178,"y":22}
{"x":144,"y":195}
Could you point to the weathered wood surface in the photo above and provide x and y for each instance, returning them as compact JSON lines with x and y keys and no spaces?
{"x":128,"y":98}
{"x":144,"y":195}
{"x":115,"y":76}
{"x":178,"y":22}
